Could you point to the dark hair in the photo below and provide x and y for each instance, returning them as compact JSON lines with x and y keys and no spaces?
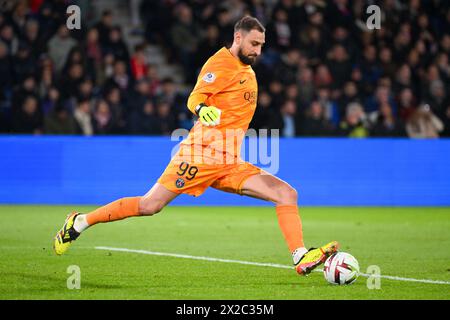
{"x":106,"y":13}
{"x":139,"y":47}
{"x":167,"y":80}
{"x":248,"y":24}
{"x":83,"y":101}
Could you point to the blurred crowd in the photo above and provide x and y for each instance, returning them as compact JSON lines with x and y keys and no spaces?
{"x":322,"y":72}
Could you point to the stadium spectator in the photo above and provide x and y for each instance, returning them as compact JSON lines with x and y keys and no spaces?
{"x":107,"y":70}
{"x":104,"y":26}
{"x":59,"y":47}
{"x":23,"y":62}
{"x":76,"y":56}
{"x":208,"y":46}
{"x":279,"y":31}
{"x":339,"y":65}
{"x":19,"y":17}
{"x":169,"y":93}
{"x":185,"y":39}
{"x":103,"y":120}
{"x":350,"y":94}
{"x":291,"y":93}
{"x":83,"y":118}
{"x":341,"y":35}
{"x":118,"y":111}
{"x":119,"y":77}
{"x":330,"y":108}
{"x":370,"y":69}
{"x":46,"y":76}
{"x":6,"y":80}
{"x":407,"y":104}
{"x":322,"y":47}
{"x":384,"y":124}
{"x":139,"y":96}
{"x":258,"y":9}
{"x":33,"y":39}
{"x":446,"y":121}
{"x":52,"y":101}
{"x":307,"y":89}
{"x":8,"y":37}
{"x":403,"y":78}
{"x":27,"y":88}
{"x":153,"y":80}
{"x":157,"y":16}
{"x":340,"y":14}
{"x":116,"y":45}
{"x":323,"y":76}
{"x":85,"y":90}
{"x":48,"y":20}
{"x":438,"y":98}
{"x":276,"y":92}
{"x":139,"y":65}
{"x":289,"y":119}
{"x":382,"y":95}
{"x":144,"y":122}
{"x":28,"y":119}
{"x":315,"y":123}
{"x":354,"y":124}
{"x":387,"y":65}
{"x":70,"y":83}
{"x":311,"y":42}
{"x":423,"y":123}
{"x":235,"y":8}
{"x":134,"y":13}
{"x":264,"y":114}
{"x":59,"y":121}
{"x":166,"y":119}
{"x":225,"y":24}
{"x":287,"y":68}
{"x":94,"y":55}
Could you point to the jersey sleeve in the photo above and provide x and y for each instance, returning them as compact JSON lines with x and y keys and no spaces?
{"x":213,"y":78}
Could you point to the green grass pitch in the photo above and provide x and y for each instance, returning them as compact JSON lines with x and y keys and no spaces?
{"x":404,"y":242}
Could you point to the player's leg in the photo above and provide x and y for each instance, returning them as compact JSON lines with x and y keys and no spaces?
{"x":149,"y":204}
{"x":247,"y":179}
{"x":270,"y":188}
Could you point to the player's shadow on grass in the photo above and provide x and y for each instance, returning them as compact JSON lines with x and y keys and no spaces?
{"x":41,"y":281}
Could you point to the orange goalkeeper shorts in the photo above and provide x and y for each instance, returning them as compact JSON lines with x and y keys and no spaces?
{"x":192,"y":175}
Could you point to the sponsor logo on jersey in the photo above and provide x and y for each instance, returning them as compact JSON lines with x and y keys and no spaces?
{"x":251,"y":96}
{"x":209,"y":77}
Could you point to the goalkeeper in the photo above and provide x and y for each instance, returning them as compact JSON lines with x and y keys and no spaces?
{"x":224,"y":99}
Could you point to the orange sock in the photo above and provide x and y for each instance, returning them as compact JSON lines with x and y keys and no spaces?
{"x":291,"y":226}
{"x":117,"y":210}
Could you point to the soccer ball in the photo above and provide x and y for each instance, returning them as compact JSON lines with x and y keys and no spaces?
{"x":341,"y":268}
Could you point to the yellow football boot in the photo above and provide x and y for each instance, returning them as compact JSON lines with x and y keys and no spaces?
{"x":66,"y":235}
{"x":315,"y":257}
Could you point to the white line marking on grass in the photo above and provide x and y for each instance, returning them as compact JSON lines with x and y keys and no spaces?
{"x":258,"y":264}
{"x":184,"y":256}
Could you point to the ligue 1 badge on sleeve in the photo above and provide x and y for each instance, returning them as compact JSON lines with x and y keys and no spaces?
{"x":209,"y":77}
{"x":179,"y":183}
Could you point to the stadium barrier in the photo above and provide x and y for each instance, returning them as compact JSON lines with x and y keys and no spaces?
{"x":326,"y":172}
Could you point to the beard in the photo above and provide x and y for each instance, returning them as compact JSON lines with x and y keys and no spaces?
{"x":249,"y":60}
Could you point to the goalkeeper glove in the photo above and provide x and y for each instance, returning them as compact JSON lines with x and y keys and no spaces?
{"x":209,"y":116}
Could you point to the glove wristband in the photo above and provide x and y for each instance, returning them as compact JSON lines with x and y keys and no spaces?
{"x":199,"y":107}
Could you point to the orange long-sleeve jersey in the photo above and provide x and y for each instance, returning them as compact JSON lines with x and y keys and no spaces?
{"x":228,"y":84}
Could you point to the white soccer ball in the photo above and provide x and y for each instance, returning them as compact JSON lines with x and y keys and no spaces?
{"x":341,"y":268}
